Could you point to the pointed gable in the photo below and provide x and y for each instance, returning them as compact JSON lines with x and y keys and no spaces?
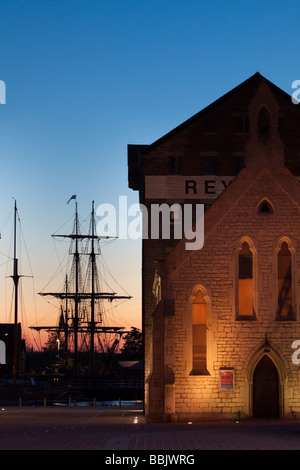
{"x":264,"y":177}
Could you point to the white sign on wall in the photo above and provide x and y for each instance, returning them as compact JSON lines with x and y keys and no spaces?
{"x":185,"y":187}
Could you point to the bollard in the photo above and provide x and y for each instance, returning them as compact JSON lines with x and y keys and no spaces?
{"x":120,"y":406}
{"x":45,"y":402}
{"x":20,"y":402}
{"x":94,"y":402}
{"x":69,"y":402}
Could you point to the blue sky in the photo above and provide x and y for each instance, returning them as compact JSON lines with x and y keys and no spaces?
{"x":84,"y":78}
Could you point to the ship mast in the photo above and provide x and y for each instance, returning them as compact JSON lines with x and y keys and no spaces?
{"x":15,"y":278}
{"x":76,"y":299}
{"x":92,"y":323}
{"x":77,"y":296}
{"x":66,"y":322}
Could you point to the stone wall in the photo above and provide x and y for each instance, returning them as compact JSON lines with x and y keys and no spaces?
{"x":172,"y":393}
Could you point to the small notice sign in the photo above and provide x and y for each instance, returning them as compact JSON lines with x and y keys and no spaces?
{"x":226,"y":380}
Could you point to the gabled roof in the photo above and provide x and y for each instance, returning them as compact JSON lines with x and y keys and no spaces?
{"x":223,"y":205}
{"x":255,"y":80}
{"x":252,"y":84}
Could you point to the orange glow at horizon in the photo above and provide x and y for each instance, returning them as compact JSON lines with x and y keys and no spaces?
{"x":35,"y":310}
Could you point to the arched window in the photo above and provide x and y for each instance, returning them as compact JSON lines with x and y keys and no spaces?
{"x":199,"y":335}
{"x":264,"y":123}
{"x":245,"y":283}
{"x":284,"y":282}
{"x":265,"y":208}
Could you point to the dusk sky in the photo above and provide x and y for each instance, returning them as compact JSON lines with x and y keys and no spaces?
{"x":86,"y":78}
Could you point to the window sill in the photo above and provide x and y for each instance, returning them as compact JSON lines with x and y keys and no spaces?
{"x":246,"y":318}
{"x":199,"y":372}
{"x":285,"y":319}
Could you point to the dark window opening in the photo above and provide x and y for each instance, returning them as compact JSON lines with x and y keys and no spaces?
{"x":209,"y":126}
{"x":174,"y":165}
{"x":240,"y":164}
{"x":209,"y":166}
{"x":265,"y":208}
{"x":264,"y":123}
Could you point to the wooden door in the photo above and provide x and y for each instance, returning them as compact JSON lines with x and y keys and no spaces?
{"x":265,"y":389}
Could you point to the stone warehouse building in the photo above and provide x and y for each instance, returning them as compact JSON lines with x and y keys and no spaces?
{"x":220,"y":322}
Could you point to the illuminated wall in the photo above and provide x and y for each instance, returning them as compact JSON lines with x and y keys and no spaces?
{"x":223,"y":308}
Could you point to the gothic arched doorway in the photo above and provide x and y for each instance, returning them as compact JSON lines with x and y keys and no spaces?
{"x":265,"y":389}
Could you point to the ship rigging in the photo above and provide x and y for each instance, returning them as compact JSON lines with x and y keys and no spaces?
{"x":82,"y":297}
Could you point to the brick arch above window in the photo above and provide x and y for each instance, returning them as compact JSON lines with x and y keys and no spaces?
{"x":265,"y":207}
{"x":249,"y":241}
{"x":197,"y":290}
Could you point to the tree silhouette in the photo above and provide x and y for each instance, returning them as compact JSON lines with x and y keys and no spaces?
{"x":133,"y":345}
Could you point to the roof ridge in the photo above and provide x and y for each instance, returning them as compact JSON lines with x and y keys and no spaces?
{"x":256,"y":76}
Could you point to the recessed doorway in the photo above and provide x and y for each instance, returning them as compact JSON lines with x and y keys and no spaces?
{"x":265,"y":389}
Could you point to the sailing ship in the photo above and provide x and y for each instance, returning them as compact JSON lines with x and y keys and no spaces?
{"x":82,"y":298}
{"x":82,"y":320}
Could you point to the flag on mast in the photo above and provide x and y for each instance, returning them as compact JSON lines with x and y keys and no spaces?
{"x":72,"y":197}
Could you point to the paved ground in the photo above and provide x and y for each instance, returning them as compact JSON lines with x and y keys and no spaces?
{"x":114,"y":430}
